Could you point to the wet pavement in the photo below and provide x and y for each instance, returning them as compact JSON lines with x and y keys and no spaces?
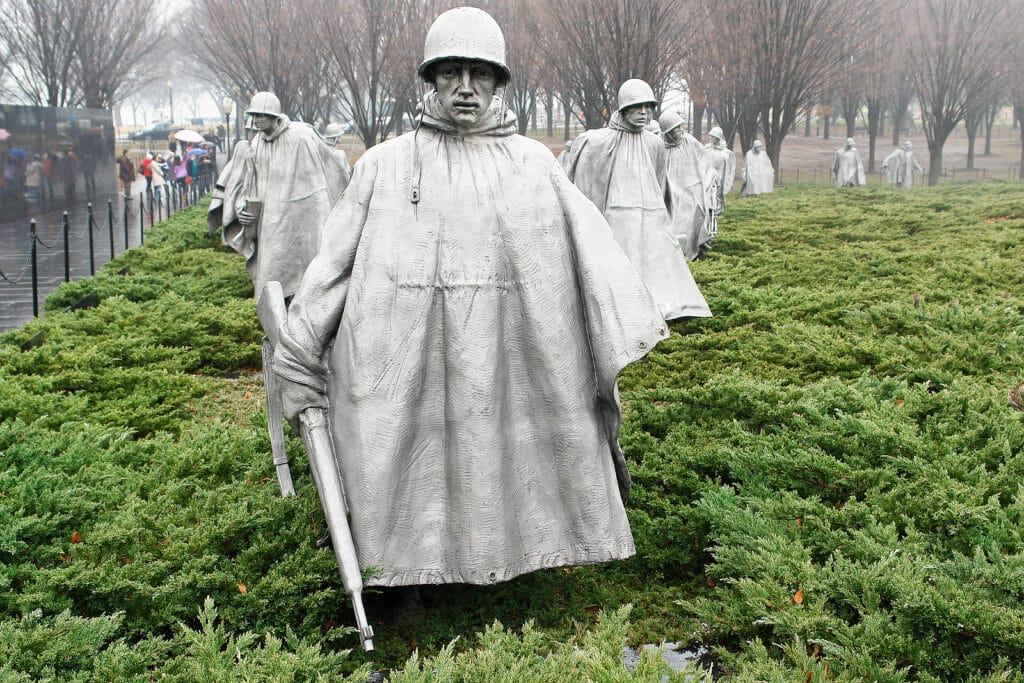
{"x":110,"y":234}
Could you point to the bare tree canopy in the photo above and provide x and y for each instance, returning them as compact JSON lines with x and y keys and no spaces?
{"x":595,"y":45}
{"x":959,"y":43}
{"x":76,"y":52}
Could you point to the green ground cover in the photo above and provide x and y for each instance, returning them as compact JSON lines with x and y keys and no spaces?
{"x":827,"y":474}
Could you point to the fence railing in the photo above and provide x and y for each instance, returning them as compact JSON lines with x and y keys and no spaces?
{"x":157,"y":204}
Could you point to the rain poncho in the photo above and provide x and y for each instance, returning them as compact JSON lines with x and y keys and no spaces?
{"x":226,"y":192}
{"x":690,"y":184}
{"x":900,"y":167}
{"x":622,"y":171}
{"x":758,"y":174}
{"x":848,"y":168}
{"x":467,"y":314}
{"x":298,"y":177}
{"x":722,"y":161}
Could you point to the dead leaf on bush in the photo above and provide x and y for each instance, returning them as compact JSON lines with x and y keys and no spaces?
{"x":798,"y":597}
{"x":1016,"y":397}
{"x":76,"y":537}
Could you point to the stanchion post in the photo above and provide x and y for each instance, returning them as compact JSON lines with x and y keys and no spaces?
{"x":35,"y":272}
{"x":142,"y":218}
{"x":126,"y":199}
{"x":92,"y":251}
{"x":65,"y":230}
{"x":110,"y":227}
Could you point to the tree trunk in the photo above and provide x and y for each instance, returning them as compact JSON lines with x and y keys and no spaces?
{"x":828,"y":123}
{"x":533,"y":114}
{"x":898,"y":115}
{"x":807,"y":122}
{"x":990,"y":119}
{"x":1018,"y":119}
{"x":934,"y":162}
{"x":876,"y":113}
{"x":567,"y":109}
{"x":549,"y":109}
{"x":698,"y":118}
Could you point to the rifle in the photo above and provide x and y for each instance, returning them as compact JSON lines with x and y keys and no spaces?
{"x":275,"y":425}
{"x":316,"y":436}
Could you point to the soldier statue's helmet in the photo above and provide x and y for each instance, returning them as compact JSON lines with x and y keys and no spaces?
{"x":264,"y":102}
{"x":669,"y":121}
{"x":465,"y":34}
{"x":634,"y":92}
{"x":758,"y":143}
{"x":333,"y":131}
{"x":716,"y":132}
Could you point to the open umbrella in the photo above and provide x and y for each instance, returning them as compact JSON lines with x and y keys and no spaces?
{"x":196,"y":152}
{"x":19,"y":152}
{"x":4,"y":134}
{"x":187,"y":135}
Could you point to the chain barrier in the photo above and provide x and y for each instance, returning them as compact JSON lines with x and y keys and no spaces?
{"x":39,"y":240}
{"x":21,"y":272}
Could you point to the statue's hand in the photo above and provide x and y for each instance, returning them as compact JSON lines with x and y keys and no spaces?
{"x":246,"y":219}
{"x":296,"y":397}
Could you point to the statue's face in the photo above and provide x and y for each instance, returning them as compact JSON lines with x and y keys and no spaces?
{"x":849,"y":145}
{"x":673,"y":136}
{"x":465,"y":90}
{"x":265,"y":123}
{"x":757,"y":149}
{"x":637,"y":116}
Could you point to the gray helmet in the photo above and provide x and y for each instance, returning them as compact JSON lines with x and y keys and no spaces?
{"x":465,"y":33}
{"x":333,"y":131}
{"x":717,"y":132}
{"x":758,"y":143}
{"x":635,"y":91}
{"x":264,"y":102}
{"x":669,"y":120}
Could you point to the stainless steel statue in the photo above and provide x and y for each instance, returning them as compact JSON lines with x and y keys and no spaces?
{"x":622,"y":169}
{"x":847,"y":166}
{"x":723,"y":162}
{"x":292,"y":178}
{"x":758,"y":174}
{"x":462,"y":325}
{"x":691,"y":186}
{"x":900,"y":166}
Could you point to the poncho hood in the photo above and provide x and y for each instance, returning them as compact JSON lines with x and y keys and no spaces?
{"x":282,"y":126}
{"x":499,"y":120}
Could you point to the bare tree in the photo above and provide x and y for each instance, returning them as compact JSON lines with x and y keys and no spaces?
{"x":959,"y":42}
{"x":110,"y":54}
{"x":797,"y":52}
{"x":39,"y":37}
{"x":252,"y":45}
{"x":595,"y":45}
{"x":522,"y":54}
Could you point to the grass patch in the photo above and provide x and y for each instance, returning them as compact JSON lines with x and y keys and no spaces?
{"x":826,"y":474}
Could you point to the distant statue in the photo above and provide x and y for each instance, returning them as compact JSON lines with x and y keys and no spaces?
{"x":462,"y":324}
{"x":900,"y":166}
{"x":691,"y":186}
{"x":758,"y":174}
{"x":227,"y":190}
{"x":622,"y":169}
{"x":847,"y":166}
{"x":564,"y":154}
{"x":292,"y":178}
{"x":723,"y":162}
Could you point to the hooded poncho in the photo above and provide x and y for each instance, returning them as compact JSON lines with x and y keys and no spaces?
{"x":848,"y":168}
{"x":298,"y":177}
{"x":225,"y":195}
{"x":690,"y":185}
{"x":900,"y":167}
{"x":758,"y":174}
{"x":622,"y":171}
{"x":723,"y":163}
{"x":467,"y":314}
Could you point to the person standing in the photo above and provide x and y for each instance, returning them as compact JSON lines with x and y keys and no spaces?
{"x":690,"y":186}
{"x":156,"y":170}
{"x":125,"y":173}
{"x":622,"y":170}
{"x":847,"y":166}
{"x":723,"y":162}
{"x":758,"y":174}
{"x":463,"y":323}
{"x":34,"y":179}
{"x":900,"y":166}
{"x":295,"y":178}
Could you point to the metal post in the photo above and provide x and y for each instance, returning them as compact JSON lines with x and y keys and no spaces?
{"x":92,"y":252}
{"x":67,"y":255}
{"x":110,"y":227}
{"x":150,"y":193}
{"x":126,"y":199}
{"x":142,"y":218}
{"x":35,"y":273}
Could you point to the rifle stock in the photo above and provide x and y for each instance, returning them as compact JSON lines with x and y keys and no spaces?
{"x":315,"y":432}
